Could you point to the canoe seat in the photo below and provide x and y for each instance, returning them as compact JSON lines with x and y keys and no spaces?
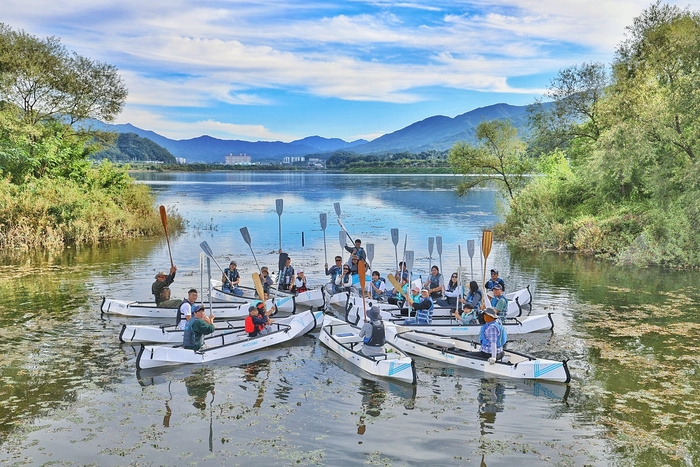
{"x":347,"y":338}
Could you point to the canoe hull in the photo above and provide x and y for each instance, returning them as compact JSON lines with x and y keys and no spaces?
{"x":150,"y":310}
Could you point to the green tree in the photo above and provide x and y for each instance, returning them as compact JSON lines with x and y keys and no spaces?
{"x":498,"y":156}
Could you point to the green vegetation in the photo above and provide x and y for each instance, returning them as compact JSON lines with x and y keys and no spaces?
{"x":618,"y":151}
{"x":51,"y":194}
{"x":131,"y":147}
{"x":403,"y":162}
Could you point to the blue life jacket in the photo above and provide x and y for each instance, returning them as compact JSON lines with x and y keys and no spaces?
{"x":435,"y":282}
{"x":502,"y":336}
{"x":188,"y":338}
{"x":425,"y":316}
{"x":377,"y":338}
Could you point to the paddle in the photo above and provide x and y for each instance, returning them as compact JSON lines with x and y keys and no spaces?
{"x":279,"y":203}
{"x":164,"y":220}
{"x":431,"y":240}
{"x":246,"y":238}
{"x":470,"y":250}
{"x":303,"y":253}
{"x":282,"y":263}
{"x":395,"y":241}
{"x":409,"y":264}
{"x":438,"y":245}
{"x":362,"y":272}
{"x":201,"y":278}
{"x":211,"y":308}
{"x":370,"y":253}
{"x":459,"y":277}
{"x":259,"y":289}
{"x":486,"y":242}
{"x":397,"y":286}
{"x":324,"y":219}
{"x":336,"y":206}
{"x":342,"y":240}
{"x":207,"y":251}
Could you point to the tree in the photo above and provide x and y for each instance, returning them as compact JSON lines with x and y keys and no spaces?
{"x":499,"y":155}
{"x":46,"y":82}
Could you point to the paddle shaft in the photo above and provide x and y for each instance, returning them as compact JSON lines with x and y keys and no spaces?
{"x":164,"y":220}
{"x":323,"y":219}
{"x":362,"y":272}
{"x":486,"y":243}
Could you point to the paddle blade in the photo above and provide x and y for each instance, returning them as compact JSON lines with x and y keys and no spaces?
{"x":409,"y":260}
{"x":283,"y":260}
{"x":259,"y":288}
{"x":438,"y":244}
{"x":207,"y":251}
{"x":470,"y":248}
{"x":431,"y":240}
{"x":336,"y":206}
{"x":395,"y":236}
{"x":324,"y":220}
{"x":486,"y":242}
{"x":164,"y":218}
{"x":370,"y":252}
{"x":459,"y":254}
{"x":396,"y":284}
{"x":341,"y":238}
{"x":245,"y":234}
{"x":302,"y":239}
{"x":279,"y":204}
{"x":362,"y":272}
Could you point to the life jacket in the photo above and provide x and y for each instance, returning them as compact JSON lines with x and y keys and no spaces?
{"x":502,"y":337}
{"x":188,"y":338}
{"x":179,"y":317}
{"x":502,"y":314}
{"x":376,"y":283}
{"x":425,"y":316}
{"x":251,"y":328}
{"x":435,"y":282}
{"x":377,"y":339}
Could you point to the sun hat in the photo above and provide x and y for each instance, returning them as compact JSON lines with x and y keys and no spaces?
{"x":374,"y":314}
{"x":161,"y":273}
{"x":491,"y":312}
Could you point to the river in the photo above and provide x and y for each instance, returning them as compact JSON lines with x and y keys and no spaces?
{"x":71,"y":395}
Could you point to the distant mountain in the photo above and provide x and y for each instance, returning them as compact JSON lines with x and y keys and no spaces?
{"x":438,"y":132}
{"x":132,"y":147}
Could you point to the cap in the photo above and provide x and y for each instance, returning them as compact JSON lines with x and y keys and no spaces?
{"x":415,"y":287}
{"x":161,"y":273}
{"x":497,"y":287}
{"x":374,"y":314}
{"x":494,"y":271}
{"x":198,"y":309}
{"x":491,"y":312}
{"x":252,"y":308}
{"x":424,"y":290}
{"x":232,"y":262}
{"x":300,"y":271}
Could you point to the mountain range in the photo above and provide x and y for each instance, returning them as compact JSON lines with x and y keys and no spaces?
{"x":433,"y":133}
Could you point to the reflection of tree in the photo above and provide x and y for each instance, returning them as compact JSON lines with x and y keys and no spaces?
{"x":491,"y":395}
{"x":373,"y":396}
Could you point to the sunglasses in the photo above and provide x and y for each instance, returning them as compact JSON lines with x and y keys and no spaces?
{"x":454,"y":277}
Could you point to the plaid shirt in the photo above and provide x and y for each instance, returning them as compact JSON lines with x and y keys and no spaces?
{"x":491,"y":334}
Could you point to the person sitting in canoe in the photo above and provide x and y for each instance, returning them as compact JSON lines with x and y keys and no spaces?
{"x":230,"y":280}
{"x":377,"y":287}
{"x":335,"y":271}
{"x":300,"y":282}
{"x":186,"y":309}
{"x":435,"y":283}
{"x":492,"y":337}
{"x":401,"y":276}
{"x":495,"y":280}
{"x":372,"y":333}
{"x":499,"y":301}
{"x":344,"y":281}
{"x":162,"y":282}
{"x":470,"y":314}
{"x":256,"y":323}
{"x":453,"y":292}
{"x":287,"y":276}
{"x":266,"y":281}
{"x":422,"y":307}
{"x":196,"y":328}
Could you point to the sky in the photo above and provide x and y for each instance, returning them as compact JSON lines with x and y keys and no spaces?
{"x":284,"y":70}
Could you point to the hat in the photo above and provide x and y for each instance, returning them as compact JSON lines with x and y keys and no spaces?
{"x":232,"y":262}
{"x":415,"y":287}
{"x":198,"y":309}
{"x":373,"y":313}
{"x":491,"y":312}
{"x":494,"y":271}
{"x":263,"y":269}
{"x":424,"y":290}
{"x":161,"y":273}
{"x":252,"y":308}
{"x":497,"y":287}
{"x":300,"y":271}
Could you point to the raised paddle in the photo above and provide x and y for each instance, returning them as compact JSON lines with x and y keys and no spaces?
{"x":303,"y":254}
{"x":246,"y":238}
{"x":282,"y":263}
{"x":342,"y":241}
{"x":279,"y":205}
{"x":259,"y":289}
{"x":164,"y":220}
{"x":395,"y":241}
{"x":370,"y":253}
{"x":324,"y":220}
{"x":438,"y":245}
{"x":336,"y":206}
{"x":486,"y":242}
{"x":470,"y":250}
{"x":207,"y":251}
{"x":362,"y":272}
{"x":409,"y":264}
{"x":397,"y":286}
{"x":459,"y":277}
{"x":431,"y":240}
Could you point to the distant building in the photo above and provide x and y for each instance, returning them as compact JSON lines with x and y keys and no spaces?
{"x":181,"y":160}
{"x":292,"y":160}
{"x":240,"y":159}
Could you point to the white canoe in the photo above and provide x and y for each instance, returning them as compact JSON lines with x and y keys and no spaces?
{"x":344,"y":340}
{"x":226,"y":345}
{"x":150,"y":310}
{"x":455,"y":351}
{"x":169,"y":334}
{"x":284,"y":301}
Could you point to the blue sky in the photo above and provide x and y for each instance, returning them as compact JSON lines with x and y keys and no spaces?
{"x":284,"y":70}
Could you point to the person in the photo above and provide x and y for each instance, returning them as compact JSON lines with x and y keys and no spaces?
{"x":266,"y":281}
{"x":196,"y":328}
{"x":256,"y":324}
{"x":287,"y":276}
{"x":499,"y":302}
{"x":353,"y":264}
{"x":398,"y":298}
{"x":453,"y":292}
{"x":335,"y":271}
{"x":495,"y":280}
{"x":470,"y":314}
{"x":423,"y":308}
{"x":163,"y":280}
{"x":187,"y":307}
{"x":492,"y":337}
{"x":344,"y":281}
{"x":167,"y":302}
{"x":435,"y":283}
{"x":401,"y":277}
{"x":377,"y":286}
{"x":230,"y":279}
{"x":373,"y":333}
{"x":357,"y":251}
{"x":300,"y":282}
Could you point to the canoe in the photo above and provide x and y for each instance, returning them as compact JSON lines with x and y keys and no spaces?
{"x":344,"y":340}
{"x":150,"y":310}
{"x":285,"y":302}
{"x":455,"y":351}
{"x":169,"y":334}
{"x":226,"y":345}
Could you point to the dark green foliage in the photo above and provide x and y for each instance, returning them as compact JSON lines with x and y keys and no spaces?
{"x":131,"y":147}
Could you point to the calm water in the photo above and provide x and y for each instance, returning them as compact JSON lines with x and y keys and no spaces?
{"x":70,"y":394}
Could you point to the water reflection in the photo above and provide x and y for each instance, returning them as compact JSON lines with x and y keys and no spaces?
{"x":491,"y":401}
{"x":373,"y":396}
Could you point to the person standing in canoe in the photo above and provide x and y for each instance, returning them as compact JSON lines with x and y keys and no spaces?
{"x":372,"y":333}
{"x":334,"y":271}
{"x":196,"y":328}
{"x":495,"y":280}
{"x":230,"y":279}
{"x":499,"y":301}
{"x":356,"y":252}
{"x":187,"y":308}
{"x":492,"y":337}
{"x":287,"y":276}
{"x":158,"y":289}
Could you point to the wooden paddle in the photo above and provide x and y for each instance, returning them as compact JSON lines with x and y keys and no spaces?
{"x":259,"y":289}
{"x":486,"y":242}
{"x":164,"y":220}
{"x":324,"y":220}
{"x":362,"y":272}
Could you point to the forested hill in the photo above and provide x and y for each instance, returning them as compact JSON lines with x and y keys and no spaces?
{"x":132,"y":147}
